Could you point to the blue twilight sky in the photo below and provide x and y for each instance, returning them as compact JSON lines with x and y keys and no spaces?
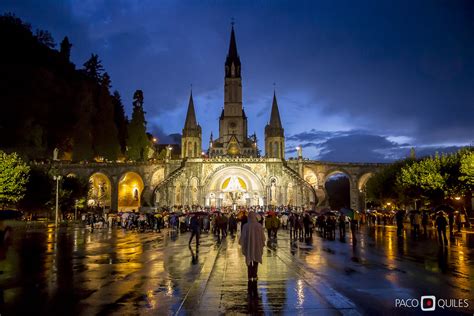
{"x":355,"y":80}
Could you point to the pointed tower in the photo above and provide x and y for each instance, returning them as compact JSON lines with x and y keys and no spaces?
{"x":233,"y":138}
{"x":191,"y":139}
{"x":233,"y":121}
{"x":274,"y":134}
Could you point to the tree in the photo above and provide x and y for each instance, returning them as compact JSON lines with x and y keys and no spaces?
{"x":121,"y":121}
{"x":423,"y":179}
{"x":105,"y":138}
{"x":82,"y":136}
{"x":383,"y":187}
{"x":467,"y":169}
{"x":162,"y":154}
{"x":93,"y":68}
{"x":38,"y":191}
{"x":72,"y":189}
{"x":137,"y":143}
{"x":65,"y":48}
{"x":450,"y":169}
{"x":14,"y":174}
{"x":467,"y":176}
{"x":45,"y":38}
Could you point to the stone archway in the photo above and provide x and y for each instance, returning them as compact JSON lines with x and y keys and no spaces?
{"x":100,"y":191}
{"x":233,"y":186}
{"x":337,"y":185}
{"x":130,"y":189}
{"x":361,"y":183}
{"x":323,"y":194}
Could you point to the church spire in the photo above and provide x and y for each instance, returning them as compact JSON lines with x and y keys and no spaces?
{"x":233,"y":45}
{"x":275,"y":121}
{"x":232,"y":61}
{"x":190,"y":122}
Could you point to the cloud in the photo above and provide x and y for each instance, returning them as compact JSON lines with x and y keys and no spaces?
{"x":163,"y":137}
{"x":358,"y":146}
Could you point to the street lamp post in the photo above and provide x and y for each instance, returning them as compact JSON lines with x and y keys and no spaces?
{"x":57,"y":178}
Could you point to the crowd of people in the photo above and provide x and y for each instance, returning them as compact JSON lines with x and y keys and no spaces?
{"x":300,"y":224}
{"x":440,"y":220}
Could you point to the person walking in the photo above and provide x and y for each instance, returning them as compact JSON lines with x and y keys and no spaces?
{"x":342,"y":227}
{"x":416,"y":224}
{"x":441,"y":224}
{"x":458,"y":221}
{"x":292,"y":224}
{"x":252,"y":241}
{"x":224,"y":224}
{"x":307,"y":226}
{"x":284,"y":221}
{"x":424,"y":222}
{"x":451,"y":224}
{"x":232,"y":224}
{"x":268,"y":226}
{"x":275,"y":225}
{"x":400,"y":217}
{"x":195,"y":229}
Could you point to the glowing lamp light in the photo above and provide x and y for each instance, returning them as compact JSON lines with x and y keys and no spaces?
{"x":457,"y":198}
{"x":388,"y":203}
{"x":155,"y":139}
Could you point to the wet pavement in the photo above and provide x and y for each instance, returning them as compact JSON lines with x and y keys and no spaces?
{"x":111,"y":271}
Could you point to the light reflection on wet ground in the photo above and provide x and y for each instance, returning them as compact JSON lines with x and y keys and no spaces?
{"x":74,"y":271}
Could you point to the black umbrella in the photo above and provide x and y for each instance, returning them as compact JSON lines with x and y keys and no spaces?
{"x":445,"y":208}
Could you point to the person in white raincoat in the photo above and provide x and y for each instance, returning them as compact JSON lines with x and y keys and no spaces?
{"x":252,"y":241}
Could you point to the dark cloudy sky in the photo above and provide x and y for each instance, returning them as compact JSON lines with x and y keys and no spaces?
{"x":355,"y":80}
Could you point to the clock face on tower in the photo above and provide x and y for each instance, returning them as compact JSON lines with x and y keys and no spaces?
{"x":232,"y":125}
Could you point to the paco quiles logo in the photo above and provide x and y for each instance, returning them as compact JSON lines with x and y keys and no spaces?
{"x":429,"y":303}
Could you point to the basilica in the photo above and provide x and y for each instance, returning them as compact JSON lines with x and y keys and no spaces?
{"x":233,"y":172}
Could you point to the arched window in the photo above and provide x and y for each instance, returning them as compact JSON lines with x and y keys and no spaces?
{"x":195,"y":150}
{"x":190,"y":150}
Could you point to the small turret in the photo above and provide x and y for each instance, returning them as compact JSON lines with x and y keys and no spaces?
{"x":275,"y":134}
{"x":191,"y":139}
